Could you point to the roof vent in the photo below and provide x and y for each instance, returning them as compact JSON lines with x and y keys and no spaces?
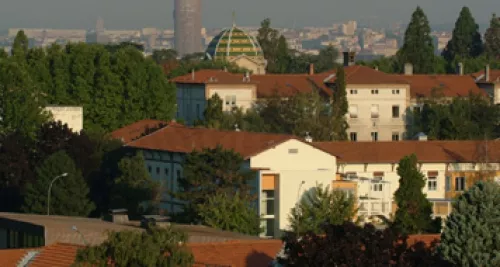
{"x":308,"y":138}
{"x":408,"y":69}
{"x":421,"y":136}
{"x":236,"y":128}
{"x":117,"y":216}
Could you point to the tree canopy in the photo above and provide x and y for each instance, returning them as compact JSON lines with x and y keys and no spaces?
{"x":466,"y":39}
{"x":492,"y":38}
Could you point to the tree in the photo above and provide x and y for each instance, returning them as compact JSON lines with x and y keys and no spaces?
{"x":340,"y":107}
{"x":319,"y":206}
{"x":466,"y":40}
{"x":326,"y":60}
{"x":156,"y":247}
{"x":418,"y":47}
{"x":231,"y":212}
{"x":274,"y":47}
{"x":492,"y":38}
{"x":350,"y":245}
{"x":164,"y":55}
{"x":210,"y":172}
{"x":413,"y":215}
{"x":134,"y":189}
{"x":68,"y":194}
{"x":471,"y":234}
{"x":213,"y":113}
{"x":20,"y":46}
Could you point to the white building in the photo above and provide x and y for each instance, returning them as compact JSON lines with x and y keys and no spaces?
{"x":72,"y":116}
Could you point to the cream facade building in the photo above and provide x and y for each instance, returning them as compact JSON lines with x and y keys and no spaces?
{"x":489,"y":81}
{"x":72,"y":116}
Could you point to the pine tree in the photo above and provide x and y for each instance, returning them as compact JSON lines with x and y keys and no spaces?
{"x":466,"y":40}
{"x":58,"y":62}
{"x":471,"y":236}
{"x":231,"y":212}
{"x":418,"y":47}
{"x":213,"y":113}
{"x":156,"y":247}
{"x":492,"y":38}
{"x":322,"y":206}
{"x":134,"y":189}
{"x":38,"y":67}
{"x":340,"y":107}
{"x":282,"y":56}
{"x":20,"y":47}
{"x":209,"y":172}
{"x":69,"y":194}
{"x":413,"y":215}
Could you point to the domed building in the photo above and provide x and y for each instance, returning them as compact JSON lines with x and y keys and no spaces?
{"x":237,"y":46}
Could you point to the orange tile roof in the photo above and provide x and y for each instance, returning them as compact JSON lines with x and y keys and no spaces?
{"x":426,"y":151}
{"x":427,"y":239}
{"x":206,"y":76}
{"x":494,"y":76}
{"x":236,"y":254}
{"x":364,"y":75}
{"x":56,"y":255}
{"x":182,"y":139}
{"x":135,"y":130}
{"x":422,"y":85}
{"x":11,"y":257}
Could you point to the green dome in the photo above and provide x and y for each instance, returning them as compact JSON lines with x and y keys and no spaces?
{"x":233,"y":42}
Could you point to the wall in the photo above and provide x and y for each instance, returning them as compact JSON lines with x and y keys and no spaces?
{"x":384,"y":125}
{"x":191,"y":102}
{"x":245,"y":94}
{"x":254,"y":67}
{"x":72,"y":116}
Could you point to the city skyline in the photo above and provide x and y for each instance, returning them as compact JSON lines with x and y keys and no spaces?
{"x":159,"y":13}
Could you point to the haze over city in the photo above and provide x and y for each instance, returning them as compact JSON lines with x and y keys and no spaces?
{"x":217,"y":13}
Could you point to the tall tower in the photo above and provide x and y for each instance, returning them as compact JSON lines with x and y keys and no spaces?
{"x":187,"y":21}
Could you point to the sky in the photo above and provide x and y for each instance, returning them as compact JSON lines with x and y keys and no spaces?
{"x":135,"y":14}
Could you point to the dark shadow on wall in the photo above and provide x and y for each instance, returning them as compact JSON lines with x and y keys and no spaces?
{"x":258,"y":259}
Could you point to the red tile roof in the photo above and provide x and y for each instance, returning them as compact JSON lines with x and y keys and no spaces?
{"x":494,"y":76}
{"x":364,"y":75}
{"x":136,"y":129}
{"x":426,"y":151}
{"x":428,"y":239}
{"x":56,"y":255}
{"x":182,"y":139}
{"x":422,"y":85}
{"x":288,"y":84}
{"x":236,"y":253}
{"x":11,"y":257}
{"x":209,"y":76}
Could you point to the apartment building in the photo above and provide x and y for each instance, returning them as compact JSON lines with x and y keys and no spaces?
{"x":489,"y":81}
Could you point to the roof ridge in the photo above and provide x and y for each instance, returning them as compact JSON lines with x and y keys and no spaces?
{"x":170,"y":124}
{"x":235,"y":242}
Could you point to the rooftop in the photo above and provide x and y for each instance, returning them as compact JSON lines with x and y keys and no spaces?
{"x":136,"y":129}
{"x":422,"y":85}
{"x":494,"y":76}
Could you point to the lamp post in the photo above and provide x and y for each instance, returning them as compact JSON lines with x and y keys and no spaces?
{"x":50,"y":187}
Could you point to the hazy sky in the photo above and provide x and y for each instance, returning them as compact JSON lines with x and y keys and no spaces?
{"x":217,"y":13}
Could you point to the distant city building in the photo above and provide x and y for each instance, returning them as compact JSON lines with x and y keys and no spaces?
{"x":187,"y":21}
{"x":350,"y":27}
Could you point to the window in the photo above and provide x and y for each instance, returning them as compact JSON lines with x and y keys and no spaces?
{"x":395,"y":92}
{"x":375,"y":92}
{"x":395,"y":136}
{"x":374,"y":111}
{"x":353,"y":111}
{"x":459,"y":183}
{"x":149,"y":169}
{"x":293,"y":151}
{"x":268,"y":202}
{"x":377,"y":184}
{"x":157,"y":170}
{"x":353,"y":136}
{"x":374,"y":136}
{"x":198,"y":112}
{"x":233,"y":100}
{"x":178,"y":174}
{"x":270,"y":227}
{"x":230,"y":100}
{"x":166,"y":172}
{"x":395,"y":111}
{"x":354,"y":92}
{"x":432,"y":183}
{"x":448,"y":183}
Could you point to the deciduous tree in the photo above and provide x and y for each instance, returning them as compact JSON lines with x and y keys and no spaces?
{"x":339,"y":107}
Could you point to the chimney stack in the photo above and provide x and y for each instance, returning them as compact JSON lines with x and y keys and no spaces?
{"x":308,"y":138}
{"x":487,"y":73}
{"x":408,"y":69}
{"x":349,"y":58}
{"x":192,"y":74}
{"x":460,"y":68}
{"x":311,"y":69}
{"x":376,"y":68}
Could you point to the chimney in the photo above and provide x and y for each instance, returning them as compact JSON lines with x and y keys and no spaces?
{"x":487,"y":73}
{"x":192,"y":74}
{"x":119,"y":216}
{"x":311,"y":69}
{"x":236,"y":128}
{"x":408,"y":69}
{"x":349,"y":58}
{"x":308,"y":138}
{"x":460,"y":69}
{"x":421,"y":137}
{"x":376,"y":68}
{"x":225,"y":69}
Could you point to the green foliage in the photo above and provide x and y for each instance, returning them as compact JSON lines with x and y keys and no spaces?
{"x":321,"y":205}
{"x":69,"y":194}
{"x":156,"y":247}
{"x":231,"y":212}
{"x":210,"y":172}
{"x":413,"y":215}
{"x":134,"y":189}
{"x":383,"y":64}
{"x":20,"y":47}
{"x":463,"y":118}
{"x":184,"y":67}
{"x":418,"y":47}
{"x":471,"y":236}
{"x":213,"y":114}
{"x":466,"y":40}
{"x":340,"y":107}
{"x":492,"y":38}
{"x":164,"y":55}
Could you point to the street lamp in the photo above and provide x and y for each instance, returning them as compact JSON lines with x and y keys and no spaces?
{"x":50,"y":187}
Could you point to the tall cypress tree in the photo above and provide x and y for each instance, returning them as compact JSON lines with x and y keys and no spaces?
{"x":492,"y":38}
{"x":340,"y":107}
{"x":418,"y":47}
{"x":414,"y":209}
{"x":466,"y":41}
{"x":20,"y":46}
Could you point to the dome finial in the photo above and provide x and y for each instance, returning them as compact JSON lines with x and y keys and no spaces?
{"x":234,"y":18}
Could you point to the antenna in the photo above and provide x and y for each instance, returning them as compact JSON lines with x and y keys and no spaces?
{"x":234,"y":18}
